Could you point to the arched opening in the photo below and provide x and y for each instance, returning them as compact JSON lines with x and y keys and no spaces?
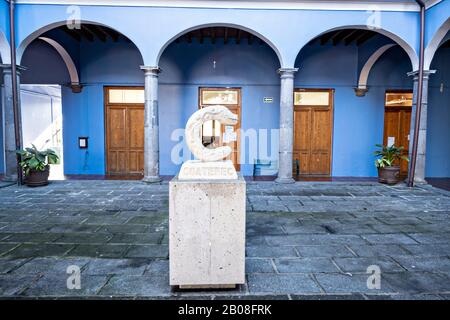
{"x":435,"y":43}
{"x":225,"y":27}
{"x":68,"y":109}
{"x":336,"y":125}
{"x":219,"y":65}
{"x":437,"y":168}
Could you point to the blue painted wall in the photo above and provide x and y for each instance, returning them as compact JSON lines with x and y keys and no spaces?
{"x":438,"y":126}
{"x":186,"y":67}
{"x":151,"y":28}
{"x":358,"y":121}
{"x":102,"y":64}
{"x":2,"y":149}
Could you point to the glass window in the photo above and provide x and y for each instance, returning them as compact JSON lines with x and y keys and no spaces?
{"x":211,"y":133}
{"x":312,"y":98}
{"x":220,"y":97}
{"x":399,"y":99}
{"x":126,"y":96}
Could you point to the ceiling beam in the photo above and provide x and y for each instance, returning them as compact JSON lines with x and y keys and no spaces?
{"x":353,"y":36}
{"x":225,"y":35}
{"x":326,"y":37}
{"x":250,"y":38}
{"x":113,"y":34}
{"x":86,"y":33}
{"x":366,"y":37}
{"x":213,"y":35}
{"x":338,"y":36}
{"x":239,"y":36}
{"x":349,"y":34}
{"x":75,"y":35}
{"x":97,"y":31}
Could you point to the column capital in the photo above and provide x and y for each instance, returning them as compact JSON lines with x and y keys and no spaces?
{"x":7,"y":68}
{"x":287,"y":72}
{"x":151,"y":70}
{"x":426,"y":74}
{"x":76,"y":87}
{"x":361,"y":91}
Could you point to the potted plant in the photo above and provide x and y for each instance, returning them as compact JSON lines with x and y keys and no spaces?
{"x":387,"y":163}
{"x":36,"y":165}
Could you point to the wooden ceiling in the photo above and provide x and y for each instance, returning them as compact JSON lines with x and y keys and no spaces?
{"x":92,"y":32}
{"x":225,"y":34}
{"x":345,"y":36}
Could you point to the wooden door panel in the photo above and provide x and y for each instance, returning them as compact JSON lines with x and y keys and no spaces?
{"x":313,"y":137}
{"x":124,"y":137}
{"x":321,"y":129}
{"x":397,"y":125}
{"x":135,"y":125}
{"x":391,"y":125}
{"x":117,"y":134}
{"x":121,"y":161}
{"x":304,"y":159}
{"x":135,"y":164}
{"x":112,"y":162}
{"x":303,"y":127}
{"x":319,"y":163}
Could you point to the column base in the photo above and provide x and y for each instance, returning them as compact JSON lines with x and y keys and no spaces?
{"x":9,"y":178}
{"x":284,"y":180}
{"x":420,"y":181}
{"x":150,"y":179}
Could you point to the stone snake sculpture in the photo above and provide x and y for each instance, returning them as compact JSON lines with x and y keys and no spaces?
{"x":193,"y":132}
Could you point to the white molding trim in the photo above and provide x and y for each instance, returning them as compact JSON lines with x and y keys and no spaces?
{"x":364,"y":75}
{"x":5,"y":49}
{"x":431,"y":3}
{"x":73,"y":72}
{"x":248,"y":4}
{"x":435,"y":42}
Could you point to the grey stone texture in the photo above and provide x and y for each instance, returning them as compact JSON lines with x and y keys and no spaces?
{"x":304,"y":241}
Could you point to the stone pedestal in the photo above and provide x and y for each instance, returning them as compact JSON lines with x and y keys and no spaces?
{"x":207,"y":233}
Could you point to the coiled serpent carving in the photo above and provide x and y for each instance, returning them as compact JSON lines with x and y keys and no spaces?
{"x":193,"y":132}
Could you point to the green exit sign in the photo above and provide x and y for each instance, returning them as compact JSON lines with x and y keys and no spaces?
{"x":268,"y":99}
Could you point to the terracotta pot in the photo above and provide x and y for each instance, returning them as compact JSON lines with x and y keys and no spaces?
{"x":389,"y":175}
{"x":37,"y":178}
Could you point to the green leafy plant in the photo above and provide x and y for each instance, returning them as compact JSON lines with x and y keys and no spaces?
{"x":33,"y":159}
{"x":388,"y":155}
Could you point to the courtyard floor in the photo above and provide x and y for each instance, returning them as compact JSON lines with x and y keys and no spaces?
{"x":309,"y":240}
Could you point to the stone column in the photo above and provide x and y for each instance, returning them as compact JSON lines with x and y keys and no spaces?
{"x":9,"y":131}
{"x":419,"y":175}
{"x":286,"y":124}
{"x":151,"y":125}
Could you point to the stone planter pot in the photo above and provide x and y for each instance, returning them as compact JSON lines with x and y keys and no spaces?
{"x":37,"y":178}
{"x":389,"y":175}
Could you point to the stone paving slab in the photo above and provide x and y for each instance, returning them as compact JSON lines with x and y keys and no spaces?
{"x":309,"y":240}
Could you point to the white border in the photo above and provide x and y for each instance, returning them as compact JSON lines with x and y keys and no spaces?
{"x":247,"y":4}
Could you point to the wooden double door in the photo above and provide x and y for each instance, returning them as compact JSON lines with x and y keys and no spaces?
{"x":397,"y":123}
{"x":124,"y":123}
{"x":313,"y":127}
